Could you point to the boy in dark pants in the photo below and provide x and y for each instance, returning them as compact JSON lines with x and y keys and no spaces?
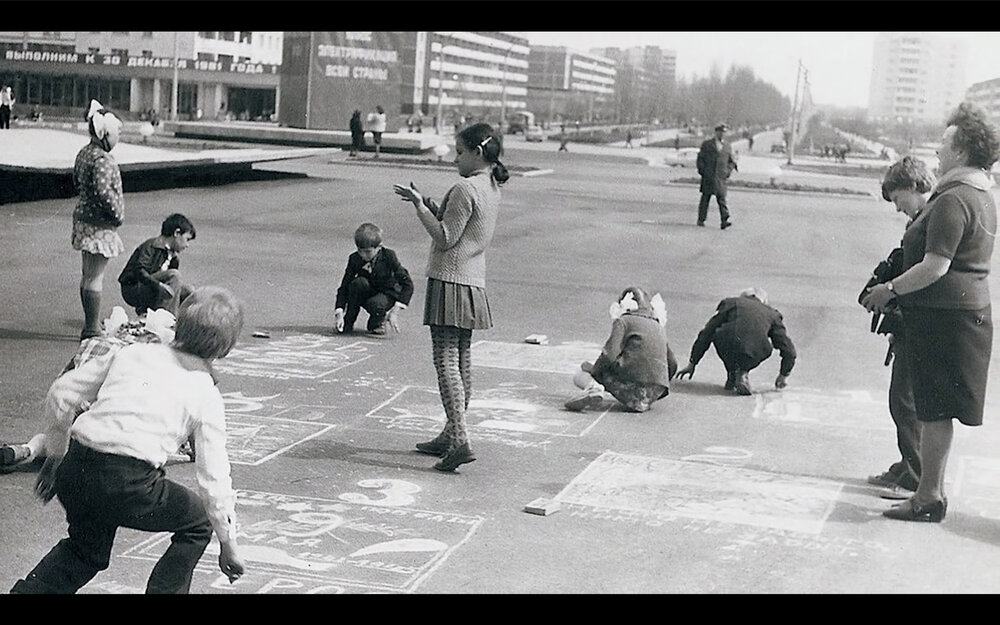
{"x":151,"y":278}
{"x":374,"y":280}
{"x":744,"y":330}
{"x":106,"y":466}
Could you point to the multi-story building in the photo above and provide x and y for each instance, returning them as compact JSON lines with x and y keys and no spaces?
{"x":647,"y":80}
{"x":445,"y":75}
{"x":916,"y":77}
{"x":987,"y":95}
{"x":229,"y":73}
{"x":569,"y":84}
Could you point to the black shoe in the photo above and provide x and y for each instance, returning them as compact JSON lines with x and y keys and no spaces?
{"x":911,"y":511}
{"x":741,"y":383}
{"x":12,"y":454}
{"x":458,"y":456}
{"x":436,"y":447}
{"x":701,"y":224}
{"x":726,"y":224}
{"x":730,"y":381}
{"x":378,"y":330}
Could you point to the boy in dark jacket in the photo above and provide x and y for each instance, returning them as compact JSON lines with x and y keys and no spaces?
{"x":744,"y":330}
{"x":374,"y":280}
{"x":152,"y":279}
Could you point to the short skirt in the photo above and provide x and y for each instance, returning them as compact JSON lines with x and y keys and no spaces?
{"x":949,"y":357}
{"x":457,"y":305}
{"x":99,"y":240}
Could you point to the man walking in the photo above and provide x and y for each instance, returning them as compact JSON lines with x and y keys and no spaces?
{"x":715,"y":164}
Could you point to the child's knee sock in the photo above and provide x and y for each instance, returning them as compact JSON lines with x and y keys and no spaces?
{"x":91,"y":301}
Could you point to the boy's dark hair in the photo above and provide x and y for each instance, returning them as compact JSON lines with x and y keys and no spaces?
{"x":368,"y":235}
{"x":974,"y":135}
{"x":177,"y":222}
{"x":208,"y":322}
{"x":908,"y":173}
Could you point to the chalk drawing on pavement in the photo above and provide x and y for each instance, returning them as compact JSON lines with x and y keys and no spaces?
{"x":303,"y":544}
{"x":977,"y":482}
{"x":526,"y":357}
{"x":514,"y":415}
{"x":854,"y":410}
{"x":303,"y":356}
{"x":696,"y":490}
{"x":253,"y":440}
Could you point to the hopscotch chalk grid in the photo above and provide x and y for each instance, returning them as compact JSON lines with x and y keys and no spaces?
{"x":671,"y":489}
{"x":303,"y":356}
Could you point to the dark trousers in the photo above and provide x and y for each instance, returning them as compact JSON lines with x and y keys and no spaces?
{"x":904,"y":415}
{"x":703,"y":207}
{"x":102,"y":492}
{"x":4,"y":116}
{"x":360,"y":294}
{"x":145,"y":297}
{"x":733,"y":358}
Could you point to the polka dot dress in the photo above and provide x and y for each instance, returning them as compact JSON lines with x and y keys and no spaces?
{"x":100,"y":207}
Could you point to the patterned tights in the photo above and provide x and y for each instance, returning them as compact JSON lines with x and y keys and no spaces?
{"x":452,"y":350}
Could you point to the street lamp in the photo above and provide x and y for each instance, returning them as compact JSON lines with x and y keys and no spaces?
{"x":173,"y":93}
{"x":503,"y":88}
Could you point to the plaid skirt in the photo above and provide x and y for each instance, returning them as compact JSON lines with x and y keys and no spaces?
{"x":949,"y":357}
{"x":457,"y":305}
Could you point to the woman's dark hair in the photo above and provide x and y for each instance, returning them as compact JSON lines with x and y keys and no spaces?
{"x":176,"y":222}
{"x":482,"y":137}
{"x":909,"y":174}
{"x":974,"y":135}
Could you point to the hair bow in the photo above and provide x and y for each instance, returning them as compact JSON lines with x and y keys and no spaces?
{"x":101,"y":119}
{"x":623,"y":306}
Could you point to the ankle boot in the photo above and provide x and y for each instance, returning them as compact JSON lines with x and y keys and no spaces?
{"x":458,"y":456}
{"x":436,"y":447}
{"x":91,"y":301}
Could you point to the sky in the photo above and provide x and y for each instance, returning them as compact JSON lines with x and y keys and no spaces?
{"x":838,"y":63}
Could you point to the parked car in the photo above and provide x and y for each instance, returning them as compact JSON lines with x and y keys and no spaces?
{"x":684,"y":157}
{"x":534,"y":133}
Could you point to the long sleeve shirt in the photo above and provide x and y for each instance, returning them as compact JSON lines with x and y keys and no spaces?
{"x":98,"y":181}
{"x":749,"y":326}
{"x":146,"y":399}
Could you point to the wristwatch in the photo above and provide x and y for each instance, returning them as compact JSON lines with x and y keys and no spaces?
{"x":892,"y":288}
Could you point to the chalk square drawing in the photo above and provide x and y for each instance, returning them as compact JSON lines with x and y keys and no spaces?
{"x":253,"y":440}
{"x":853,"y":410}
{"x":660,"y":487}
{"x":329,"y":542}
{"x":514,"y":415}
{"x":528,"y":357}
{"x":304,"y":356}
{"x":977,"y":482}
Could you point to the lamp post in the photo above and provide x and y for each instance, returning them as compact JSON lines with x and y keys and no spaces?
{"x":503,"y":88}
{"x":793,"y":122}
{"x":173,"y":93}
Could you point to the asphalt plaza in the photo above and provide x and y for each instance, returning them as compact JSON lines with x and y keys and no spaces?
{"x":707,"y":493}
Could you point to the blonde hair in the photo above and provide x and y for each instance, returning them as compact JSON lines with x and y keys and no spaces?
{"x":755,"y":291}
{"x":208,"y":322}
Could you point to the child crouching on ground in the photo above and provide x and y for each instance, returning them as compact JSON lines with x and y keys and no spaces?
{"x":636,"y":362}
{"x":107,"y":465}
{"x":151,"y":278}
{"x":374,"y":280}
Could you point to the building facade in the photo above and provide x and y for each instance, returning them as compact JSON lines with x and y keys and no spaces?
{"x":987,"y":95}
{"x":569,"y":84}
{"x":916,"y":77}
{"x":219,"y":74}
{"x":646,"y":84}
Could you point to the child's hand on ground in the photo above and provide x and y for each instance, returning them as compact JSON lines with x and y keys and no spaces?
{"x":392,"y":317}
{"x":688,"y":371}
{"x":780,"y":382}
{"x":45,"y":484}
{"x":338,"y":316}
{"x":230,"y":562}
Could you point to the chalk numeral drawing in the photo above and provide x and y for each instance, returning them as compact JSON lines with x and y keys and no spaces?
{"x":394,"y":493}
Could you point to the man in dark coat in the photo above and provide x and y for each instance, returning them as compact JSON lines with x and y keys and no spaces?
{"x":715,"y":164}
{"x":744,"y":330}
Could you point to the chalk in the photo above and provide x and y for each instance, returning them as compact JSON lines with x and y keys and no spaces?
{"x":542,"y":506}
{"x":537,"y":339}
{"x":260,"y":334}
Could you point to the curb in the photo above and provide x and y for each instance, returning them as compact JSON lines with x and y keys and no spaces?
{"x":858,"y":195}
{"x":373,"y":163}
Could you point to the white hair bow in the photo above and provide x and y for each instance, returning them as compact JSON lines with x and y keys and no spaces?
{"x":659,"y":309}
{"x":101,"y":119}
{"x":623,"y":306}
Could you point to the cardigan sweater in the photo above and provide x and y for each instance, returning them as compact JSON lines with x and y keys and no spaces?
{"x":464,"y":228}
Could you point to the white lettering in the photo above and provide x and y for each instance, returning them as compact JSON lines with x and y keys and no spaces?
{"x":338,"y":71}
{"x":359,"y":36}
{"x":371,"y":73}
{"x":361,"y":54}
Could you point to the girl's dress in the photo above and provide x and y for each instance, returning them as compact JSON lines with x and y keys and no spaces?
{"x":100,"y":207}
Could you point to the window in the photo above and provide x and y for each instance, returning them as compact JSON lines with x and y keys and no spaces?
{"x":93,"y":50}
{"x":119,"y":52}
{"x":206,"y":56}
{"x":246,"y":36}
{"x":147,"y":54}
{"x":228,"y":35}
{"x":147,"y":35}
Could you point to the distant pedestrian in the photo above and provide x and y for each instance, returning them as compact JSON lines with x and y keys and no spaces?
{"x":628,"y":138}
{"x":677,"y":141}
{"x":461,"y":229}
{"x":99,"y":210}
{"x":744,"y":331}
{"x":357,"y":133}
{"x":376,"y":124}
{"x":6,"y":106}
{"x":715,"y":165}
{"x":636,"y":362}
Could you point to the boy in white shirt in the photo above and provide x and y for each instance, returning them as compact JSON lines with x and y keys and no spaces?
{"x":107,"y":466}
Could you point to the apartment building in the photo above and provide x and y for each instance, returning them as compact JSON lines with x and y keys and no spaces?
{"x":916,"y":77}
{"x":234,"y":74}
{"x":647,"y":80}
{"x":987,"y":95}
{"x":570,"y":84}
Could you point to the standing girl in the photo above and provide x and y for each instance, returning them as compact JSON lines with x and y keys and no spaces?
{"x":99,"y":211}
{"x":455,"y":304}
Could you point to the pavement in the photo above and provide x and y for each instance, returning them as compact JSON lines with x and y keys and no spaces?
{"x":708,"y":493}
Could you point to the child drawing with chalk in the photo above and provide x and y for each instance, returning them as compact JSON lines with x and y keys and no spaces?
{"x":461,"y":229}
{"x":374,"y":280}
{"x":106,"y":465}
{"x":636,"y":363}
